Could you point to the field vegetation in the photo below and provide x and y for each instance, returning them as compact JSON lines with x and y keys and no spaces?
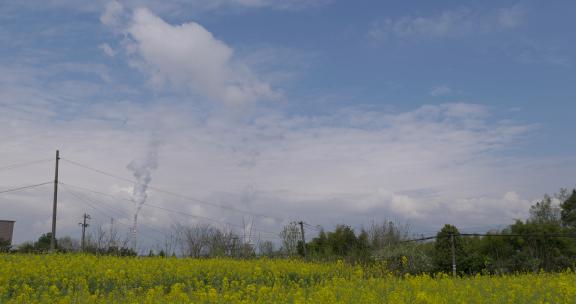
{"x":530,"y":261}
{"x":65,"y":278}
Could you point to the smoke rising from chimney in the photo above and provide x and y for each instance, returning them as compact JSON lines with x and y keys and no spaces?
{"x":142,"y":170}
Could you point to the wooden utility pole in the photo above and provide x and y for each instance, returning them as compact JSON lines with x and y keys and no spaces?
{"x":55,"y":204}
{"x":84,"y":225}
{"x":303,"y":238}
{"x":453,"y":255}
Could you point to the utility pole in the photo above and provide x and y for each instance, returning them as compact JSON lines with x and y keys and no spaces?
{"x":55,"y":204}
{"x":84,"y":225}
{"x":303,"y":239}
{"x":453,"y":255}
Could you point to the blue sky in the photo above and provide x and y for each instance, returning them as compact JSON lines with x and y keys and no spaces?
{"x":372,"y":109}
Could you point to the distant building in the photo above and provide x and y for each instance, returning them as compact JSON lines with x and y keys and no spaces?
{"x":6,"y":230}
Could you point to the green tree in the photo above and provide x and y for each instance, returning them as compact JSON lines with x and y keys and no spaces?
{"x":537,"y":249}
{"x":5,"y":246}
{"x":568,"y":213}
{"x":496,"y":252}
{"x":443,"y":248}
{"x":342,"y":240}
{"x":43,"y":243}
{"x":319,"y":247}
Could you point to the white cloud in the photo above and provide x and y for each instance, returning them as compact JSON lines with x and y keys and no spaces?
{"x":188,"y":56}
{"x":450,"y":23}
{"x":530,"y":52}
{"x":107,"y":49}
{"x":440,"y":90}
{"x":511,"y":17}
{"x":112,"y":13}
{"x":348,"y":166}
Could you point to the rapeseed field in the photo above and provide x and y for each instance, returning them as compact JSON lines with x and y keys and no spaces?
{"x":91,"y":279}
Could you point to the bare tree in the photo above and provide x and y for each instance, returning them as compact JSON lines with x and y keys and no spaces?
{"x":194,"y":239}
{"x":223,"y":242}
{"x":387,"y":233}
{"x":100,"y":238}
{"x":113,"y":239}
{"x":290,"y":236}
{"x":170,"y":241}
{"x":266,"y":248}
{"x":68,"y":244}
{"x":247,"y":247}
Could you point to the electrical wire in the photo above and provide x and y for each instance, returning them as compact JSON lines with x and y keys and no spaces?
{"x":24,"y":187}
{"x":173,"y":193}
{"x":170,"y":210}
{"x":118,"y":212}
{"x":20,"y":165}
{"x":308,"y":226}
{"x":114,"y":209}
{"x":527,"y":235}
{"x":93,"y":206}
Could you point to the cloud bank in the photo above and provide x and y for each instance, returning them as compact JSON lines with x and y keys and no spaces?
{"x":429,"y":165}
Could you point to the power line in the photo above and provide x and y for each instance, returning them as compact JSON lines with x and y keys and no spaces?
{"x":170,"y":210}
{"x":173,"y":193}
{"x":24,"y":187}
{"x":552,"y":235}
{"x":92,"y":205}
{"x":527,"y":235}
{"x":114,"y":210}
{"x":148,"y":205}
{"x":312,"y":227}
{"x":92,"y":201}
{"x":154,"y":206}
{"x":419,"y":239}
{"x":20,"y":165}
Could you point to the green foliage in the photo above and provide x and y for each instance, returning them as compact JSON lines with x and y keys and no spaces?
{"x":443,"y":247}
{"x":525,"y":246}
{"x":43,"y":243}
{"x":26,"y":247}
{"x":536,"y":250}
{"x":5,"y":246}
{"x":568,"y":213}
{"x":113,"y":250}
{"x":342,"y":243}
{"x":402,"y":258}
{"x":342,"y":240}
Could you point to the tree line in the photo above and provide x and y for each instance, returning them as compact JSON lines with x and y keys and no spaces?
{"x":544,"y":241}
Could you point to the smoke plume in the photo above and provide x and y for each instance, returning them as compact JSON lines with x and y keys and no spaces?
{"x":142,"y":170}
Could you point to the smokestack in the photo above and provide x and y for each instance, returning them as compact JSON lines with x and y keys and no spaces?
{"x":142,"y":170}
{"x":134,"y":231}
